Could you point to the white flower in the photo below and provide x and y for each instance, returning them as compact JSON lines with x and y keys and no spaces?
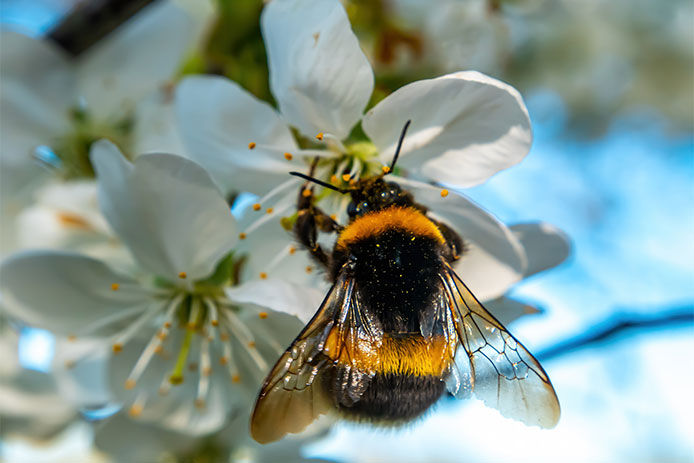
{"x":53,"y":107}
{"x":465,"y":126}
{"x":188,"y":351}
{"x":29,"y":402}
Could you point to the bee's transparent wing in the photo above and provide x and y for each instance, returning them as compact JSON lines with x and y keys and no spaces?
{"x":492,"y":363}
{"x":295,"y":391}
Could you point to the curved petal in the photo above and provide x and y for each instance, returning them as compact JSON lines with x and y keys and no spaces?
{"x":465,"y":127}
{"x":545,"y":245}
{"x":136,"y":59}
{"x":80,"y":371}
{"x":66,"y":293}
{"x":218,"y":119}
{"x":280,"y":296}
{"x":318,"y":74}
{"x":166,"y":209}
{"x":494,"y":260}
{"x":37,"y":90}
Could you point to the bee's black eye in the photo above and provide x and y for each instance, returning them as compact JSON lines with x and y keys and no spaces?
{"x":352,"y":209}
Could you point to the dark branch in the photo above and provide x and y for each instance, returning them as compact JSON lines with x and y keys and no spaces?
{"x":91,"y":21}
{"x":621,"y":323}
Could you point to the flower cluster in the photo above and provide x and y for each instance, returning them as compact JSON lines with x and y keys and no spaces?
{"x":168,"y":299}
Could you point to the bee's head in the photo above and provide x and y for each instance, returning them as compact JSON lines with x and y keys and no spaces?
{"x":375,"y":194}
{"x":372,"y":193}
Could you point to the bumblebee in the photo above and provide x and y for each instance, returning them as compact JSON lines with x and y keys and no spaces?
{"x":397,"y":329}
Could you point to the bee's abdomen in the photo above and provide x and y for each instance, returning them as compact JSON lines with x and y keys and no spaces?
{"x":394,"y":398}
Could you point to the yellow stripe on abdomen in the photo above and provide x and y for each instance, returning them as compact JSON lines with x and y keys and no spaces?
{"x":405,"y":354}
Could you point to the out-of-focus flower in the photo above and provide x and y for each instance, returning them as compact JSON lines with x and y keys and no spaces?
{"x":185,"y":349}
{"x":465,"y":126}
{"x":30,"y":405}
{"x":53,"y":107}
{"x":125,"y":440}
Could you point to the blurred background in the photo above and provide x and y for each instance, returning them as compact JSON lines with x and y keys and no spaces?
{"x":609,"y":85}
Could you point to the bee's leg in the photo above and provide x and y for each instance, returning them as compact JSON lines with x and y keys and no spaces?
{"x":455,"y":244}
{"x":310,"y":220}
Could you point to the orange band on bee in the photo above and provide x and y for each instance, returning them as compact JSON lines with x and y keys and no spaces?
{"x":407,"y":355}
{"x":376,"y":223}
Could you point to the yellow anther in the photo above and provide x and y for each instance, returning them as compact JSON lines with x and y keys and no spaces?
{"x":346,"y":177}
{"x":236,"y":379}
{"x":288,"y":156}
{"x":162,"y":335}
{"x":215,"y":322}
{"x":223,"y":360}
{"x":269,"y":210}
{"x":129,"y":384}
{"x":256,"y":207}
{"x":176,"y":379}
{"x":333,"y":178}
{"x":117,"y":347}
{"x":292,"y":249}
{"x":242,"y":236}
{"x":385,"y":169}
{"x":263,"y":275}
{"x":251,"y":145}
{"x":167,"y":324}
{"x":306,"y":193}
{"x":309,"y":269}
{"x":199,"y":403}
{"x":251,"y":344}
{"x":159,"y":349}
{"x":191,"y":325}
{"x":319,"y":136}
{"x":135,"y":410}
{"x":72,"y":338}
{"x":114,"y":286}
{"x":182,"y":275}
{"x":444,"y":193}
{"x":207,"y":371}
{"x":262,"y":315}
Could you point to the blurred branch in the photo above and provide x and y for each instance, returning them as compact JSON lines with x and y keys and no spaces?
{"x":620,"y":324}
{"x":92,"y":20}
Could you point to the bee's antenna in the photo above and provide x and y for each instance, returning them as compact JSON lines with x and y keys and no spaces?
{"x":319,"y":182}
{"x":397,"y":150}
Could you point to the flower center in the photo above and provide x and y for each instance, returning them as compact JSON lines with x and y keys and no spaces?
{"x":69,"y":153}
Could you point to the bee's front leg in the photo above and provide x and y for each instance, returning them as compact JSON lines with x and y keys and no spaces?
{"x":310,"y":220}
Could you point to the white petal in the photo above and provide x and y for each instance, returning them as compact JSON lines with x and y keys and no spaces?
{"x":465,"y":127}
{"x":280,"y":296}
{"x":545,"y":245}
{"x":156,"y":130}
{"x":166,"y":209}
{"x":65,"y":293}
{"x":37,"y":90}
{"x":495,"y":259}
{"x":80,"y":371}
{"x":318,"y":74}
{"x":506,"y":310}
{"x":218,"y":119}
{"x":135,"y":60}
